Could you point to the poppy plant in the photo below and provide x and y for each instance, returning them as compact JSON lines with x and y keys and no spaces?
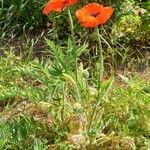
{"x":94,"y":14}
{"x":57,"y":5}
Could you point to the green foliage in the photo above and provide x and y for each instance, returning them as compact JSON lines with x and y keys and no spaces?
{"x":21,"y":135}
{"x":108,"y":109}
{"x":17,"y":15}
{"x":67,"y":100}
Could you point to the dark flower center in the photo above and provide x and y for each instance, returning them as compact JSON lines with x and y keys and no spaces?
{"x":94,"y":14}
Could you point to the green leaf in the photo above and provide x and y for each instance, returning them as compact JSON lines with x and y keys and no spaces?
{"x":81,"y":49}
{"x":38,"y":145}
{"x":106,"y":85}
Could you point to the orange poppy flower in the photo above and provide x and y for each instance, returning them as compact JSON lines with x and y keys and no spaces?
{"x":57,"y":5}
{"x":94,"y":14}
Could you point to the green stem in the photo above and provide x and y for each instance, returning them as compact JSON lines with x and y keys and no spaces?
{"x":100,"y":75}
{"x":101,"y":59}
{"x":71,"y":24}
{"x":73,"y":39}
{"x":63,"y":103}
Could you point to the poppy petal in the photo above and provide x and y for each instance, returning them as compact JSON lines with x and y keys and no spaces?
{"x":69,"y":2}
{"x":87,"y":11}
{"x":105,"y":15}
{"x":52,"y":6}
{"x":93,"y":7}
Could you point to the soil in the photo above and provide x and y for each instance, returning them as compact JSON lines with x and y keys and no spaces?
{"x":23,"y":43}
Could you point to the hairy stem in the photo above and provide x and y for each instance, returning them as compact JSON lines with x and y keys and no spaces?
{"x":100,"y":75}
{"x":73,"y":39}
